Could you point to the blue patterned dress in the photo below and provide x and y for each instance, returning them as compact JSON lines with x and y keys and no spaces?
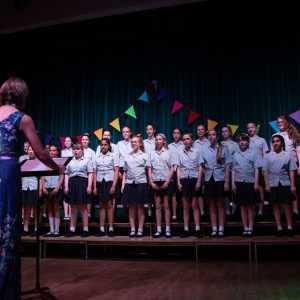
{"x":10,"y":208}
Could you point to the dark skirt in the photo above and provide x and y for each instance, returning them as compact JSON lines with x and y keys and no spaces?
{"x":245,"y":194}
{"x":103,"y":189}
{"x":162,"y":192}
{"x":281,"y":194}
{"x":261,"y":180}
{"x":188,"y":187}
{"x":30,"y":197}
{"x":10,"y":232}
{"x":77,"y":191}
{"x":214,"y":189}
{"x":135,"y":194}
{"x":57,"y":198}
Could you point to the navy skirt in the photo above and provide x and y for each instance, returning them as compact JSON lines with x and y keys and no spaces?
{"x":188,"y":187}
{"x":281,"y":194}
{"x":245,"y":194}
{"x":30,"y":197}
{"x":77,"y":191}
{"x":10,"y":232}
{"x":103,"y":189}
{"x":162,"y":192}
{"x":214,"y":189}
{"x":57,"y":198}
{"x":136,"y":193}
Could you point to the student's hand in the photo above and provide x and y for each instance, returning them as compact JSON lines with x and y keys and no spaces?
{"x":203,"y":189}
{"x":256,"y":187}
{"x":154,"y":186}
{"x":293,"y":189}
{"x":122,"y":189}
{"x":233,"y":187}
{"x":165,"y":185}
{"x":226,"y":186}
{"x":268,"y":189}
{"x":198,"y":186}
{"x":298,"y":171}
{"x":54,"y":192}
{"x":95,"y":191}
{"x":45,"y":192}
{"x":89,"y":190}
{"x":40,"y":194}
{"x":112,"y":190}
{"x":66,"y":191}
{"x":179,"y":186}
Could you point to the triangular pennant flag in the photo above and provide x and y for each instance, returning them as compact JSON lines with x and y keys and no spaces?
{"x":162,"y":94}
{"x":48,"y":138}
{"x":62,"y":142}
{"x":274,"y":125}
{"x":258,"y":127}
{"x":115,"y":124}
{"x":131,"y":112}
{"x":176,"y":106}
{"x":296,"y":116}
{"x":155,"y":83}
{"x":211,"y":124}
{"x":233,"y":128}
{"x":144,"y":97}
{"x":79,"y":137}
{"x":193,"y":116}
{"x":98,"y":133}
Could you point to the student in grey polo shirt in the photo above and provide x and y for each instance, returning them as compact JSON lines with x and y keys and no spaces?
{"x":52,"y":191}
{"x":216,"y":167}
{"x":175,"y":146}
{"x":189,"y":175}
{"x":245,"y":182}
{"x":124,"y":146}
{"x":233,"y":148}
{"x":199,"y":144}
{"x":279,"y":167}
{"x":106,"y":173}
{"x":259,"y":145}
{"x":107,"y":135}
{"x":67,"y":152}
{"x":135,"y":186}
{"x":160,"y":173}
{"x":78,"y":188}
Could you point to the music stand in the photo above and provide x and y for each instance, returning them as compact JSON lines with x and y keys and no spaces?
{"x":35,"y":168}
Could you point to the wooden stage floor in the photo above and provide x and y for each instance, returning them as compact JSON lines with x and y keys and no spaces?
{"x":78,"y":279}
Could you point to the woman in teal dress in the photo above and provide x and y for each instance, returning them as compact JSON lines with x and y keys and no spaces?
{"x":13,"y":122}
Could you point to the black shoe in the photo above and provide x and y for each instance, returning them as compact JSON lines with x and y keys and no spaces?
{"x":168,"y":234}
{"x":85,"y":234}
{"x":56,"y":234}
{"x":245,"y":233}
{"x":34,"y":233}
{"x":214,"y":234}
{"x":250,"y":233}
{"x":132,"y":234}
{"x":185,"y":234}
{"x":25,"y":233}
{"x":70,"y":234}
{"x":280,"y":233}
{"x":111,"y":233}
{"x":139,"y":234}
{"x":198,"y":234}
{"x":296,"y":216}
{"x":100,"y":233}
{"x":48,"y":234}
{"x":289,"y":232}
{"x":157,"y":235}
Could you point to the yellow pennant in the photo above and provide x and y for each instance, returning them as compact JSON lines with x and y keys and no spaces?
{"x":233,"y":128}
{"x":211,"y":124}
{"x":98,"y":133}
{"x":115,"y":124}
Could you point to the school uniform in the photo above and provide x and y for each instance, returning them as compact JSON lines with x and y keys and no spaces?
{"x":214,"y":173}
{"x":78,"y":170}
{"x":104,"y":165}
{"x":89,"y":153}
{"x":244,"y":164}
{"x":114,"y":149}
{"x":200,"y":144}
{"x":189,"y":162}
{"x":67,"y":152}
{"x":23,"y":157}
{"x":136,"y":185}
{"x":160,"y":162}
{"x":233,"y":146}
{"x":175,"y":148}
{"x":50,"y":184}
{"x":124,"y":148}
{"x":278,"y":166}
{"x":149,"y":145}
{"x":30,"y":195}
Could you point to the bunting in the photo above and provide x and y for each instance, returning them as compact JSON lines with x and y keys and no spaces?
{"x":62,"y":142}
{"x":115,"y":124}
{"x":296,"y":116}
{"x":48,"y":138}
{"x":98,"y":133}
{"x":274,"y":125}
{"x":79,"y":138}
{"x":176,"y":106}
{"x":162,"y":94}
{"x":144,"y":97}
{"x":211,"y":124}
{"x":193,"y":116}
{"x":131,"y":112}
{"x":233,"y":128}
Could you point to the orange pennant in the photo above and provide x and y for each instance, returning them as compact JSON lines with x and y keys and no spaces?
{"x":98,"y":133}
{"x":211,"y":124}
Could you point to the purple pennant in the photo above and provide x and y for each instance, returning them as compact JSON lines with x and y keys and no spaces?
{"x":162,"y":94}
{"x":296,"y":116}
{"x":48,"y":138}
{"x":155,"y":83}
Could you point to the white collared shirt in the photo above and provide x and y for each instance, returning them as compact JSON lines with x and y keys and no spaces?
{"x":104,"y":165}
{"x":135,"y":165}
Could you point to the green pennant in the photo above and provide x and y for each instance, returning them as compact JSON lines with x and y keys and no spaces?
{"x":131,"y":112}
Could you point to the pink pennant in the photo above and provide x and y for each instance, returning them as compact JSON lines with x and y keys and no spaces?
{"x":79,"y":137}
{"x":62,"y":142}
{"x":193,"y":117}
{"x":177,"y":105}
